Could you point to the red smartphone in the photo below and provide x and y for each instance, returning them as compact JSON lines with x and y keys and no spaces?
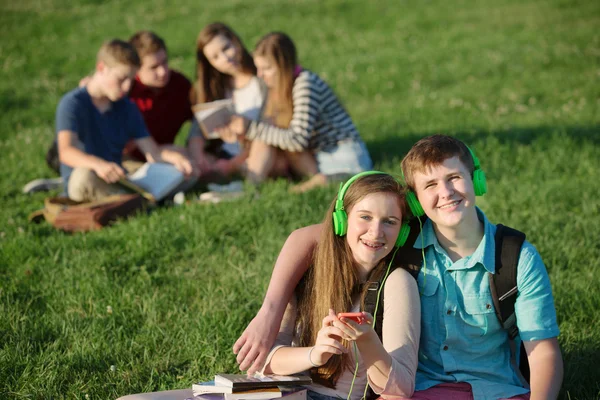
{"x":354,"y":316}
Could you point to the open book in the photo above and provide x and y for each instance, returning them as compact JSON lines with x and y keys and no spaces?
{"x":213,"y":115}
{"x":154,"y":181}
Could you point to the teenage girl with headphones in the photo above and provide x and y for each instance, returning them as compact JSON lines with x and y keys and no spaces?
{"x":343,"y":356}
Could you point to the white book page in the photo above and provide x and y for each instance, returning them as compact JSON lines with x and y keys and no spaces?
{"x":158,"y":179}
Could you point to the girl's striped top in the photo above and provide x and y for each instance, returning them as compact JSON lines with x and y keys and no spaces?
{"x":318,"y":122}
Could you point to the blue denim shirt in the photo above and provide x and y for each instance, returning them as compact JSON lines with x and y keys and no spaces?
{"x":461,"y":338}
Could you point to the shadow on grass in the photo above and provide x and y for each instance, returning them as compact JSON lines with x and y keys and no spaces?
{"x":581,"y":372}
{"x":390,"y":147}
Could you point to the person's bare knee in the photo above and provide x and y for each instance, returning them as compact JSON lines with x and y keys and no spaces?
{"x":260,"y":161}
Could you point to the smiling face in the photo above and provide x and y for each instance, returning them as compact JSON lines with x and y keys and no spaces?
{"x":267,"y":70}
{"x":373,"y":226}
{"x":154,"y":71}
{"x":222,"y":54}
{"x":446,"y":193}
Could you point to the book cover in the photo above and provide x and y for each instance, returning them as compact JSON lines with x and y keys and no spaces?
{"x":154,"y":181}
{"x":212,"y":115}
{"x":242,"y":381}
{"x":289,"y":393}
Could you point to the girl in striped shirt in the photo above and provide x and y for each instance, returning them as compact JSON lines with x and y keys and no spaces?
{"x":304,"y":122}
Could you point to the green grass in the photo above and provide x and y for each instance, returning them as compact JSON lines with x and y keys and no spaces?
{"x":518,"y":80}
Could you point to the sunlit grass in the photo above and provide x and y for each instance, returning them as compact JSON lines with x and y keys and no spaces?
{"x":157,"y":301}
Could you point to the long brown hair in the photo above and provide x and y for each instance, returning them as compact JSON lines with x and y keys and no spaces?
{"x":333,"y":280}
{"x":211,"y":84}
{"x":280,"y":50}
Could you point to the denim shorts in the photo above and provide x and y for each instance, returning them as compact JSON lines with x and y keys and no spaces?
{"x":347,"y":157}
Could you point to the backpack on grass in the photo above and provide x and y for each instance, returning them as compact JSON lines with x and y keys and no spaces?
{"x":72,"y":216}
{"x":503,"y":287}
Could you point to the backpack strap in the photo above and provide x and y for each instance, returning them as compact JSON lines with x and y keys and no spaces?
{"x":408,"y":258}
{"x":504,"y":290}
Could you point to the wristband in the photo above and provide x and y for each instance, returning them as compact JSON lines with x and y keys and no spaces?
{"x":310,"y":359}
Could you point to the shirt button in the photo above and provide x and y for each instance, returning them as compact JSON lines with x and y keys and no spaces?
{"x":445,"y":348}
{"x":488,"y":306}
{"x":449,"y":312}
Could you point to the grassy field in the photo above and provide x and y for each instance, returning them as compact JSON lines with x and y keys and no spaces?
{"x":156,"y":302}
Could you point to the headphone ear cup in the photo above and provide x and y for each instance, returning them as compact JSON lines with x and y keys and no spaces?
{"x":414,"y":205}
{"x":479,"y":182}
{"x":403,"y":235}
{"x":340,"y":222}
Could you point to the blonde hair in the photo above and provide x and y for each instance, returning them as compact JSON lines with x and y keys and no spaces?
{"x":333,"y":279}
{"x":280,"y":50}
{"x":147,"y":42}
{"x":211,"y":84}
{"x":118,"y":52}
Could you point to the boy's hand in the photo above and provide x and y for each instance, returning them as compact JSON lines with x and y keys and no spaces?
{"x":328,"y":340}
{"x":351,"y":330}
{"x":253,"y":346}
{"x":184,"y":165}
{"x":181,"y":162}
{"x":109,"y":172}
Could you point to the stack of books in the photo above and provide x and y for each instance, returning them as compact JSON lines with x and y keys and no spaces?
{"x":243,"y":387}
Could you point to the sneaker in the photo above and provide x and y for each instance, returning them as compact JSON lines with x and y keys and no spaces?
{"x":43,"y":185}
{"x":218,"y":197}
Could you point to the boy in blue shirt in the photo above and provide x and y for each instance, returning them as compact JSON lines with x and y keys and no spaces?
{"x":95,"y":122}
{"x":464,"y":352}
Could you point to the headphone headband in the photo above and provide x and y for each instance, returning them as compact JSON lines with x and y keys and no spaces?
{"x":339,"y":203}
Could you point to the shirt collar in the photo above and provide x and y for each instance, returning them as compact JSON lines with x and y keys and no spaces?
{"x":484,"y":254}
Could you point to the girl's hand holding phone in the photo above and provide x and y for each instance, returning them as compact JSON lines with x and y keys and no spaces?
{"x":355,"y":327}
{"x":328,"y":342}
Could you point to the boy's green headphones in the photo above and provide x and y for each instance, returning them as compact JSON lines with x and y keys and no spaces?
{"x":340,"y":218}
{"x":479,"y":186}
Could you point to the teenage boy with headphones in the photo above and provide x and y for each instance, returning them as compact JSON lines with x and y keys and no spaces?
{"x":464,"y":351}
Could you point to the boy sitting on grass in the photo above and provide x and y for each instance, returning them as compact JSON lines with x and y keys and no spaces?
{"x":94,"y":123}
{"x":464,"y":352}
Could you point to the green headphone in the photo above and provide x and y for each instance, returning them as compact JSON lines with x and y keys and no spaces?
{"x":479,"y":186}
{"x":340,"y":218}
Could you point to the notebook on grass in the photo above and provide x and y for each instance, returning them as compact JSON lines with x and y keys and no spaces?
{"x":154,"y":181}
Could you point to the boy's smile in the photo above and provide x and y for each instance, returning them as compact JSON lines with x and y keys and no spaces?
{"x":446,"y":192}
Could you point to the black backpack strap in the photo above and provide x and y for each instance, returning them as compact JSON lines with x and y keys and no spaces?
{"x":504,"y":290}
{"x":408,"y":258}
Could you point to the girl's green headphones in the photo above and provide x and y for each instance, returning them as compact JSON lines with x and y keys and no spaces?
{"x":479,"y":186}
{"x":340,"y":218}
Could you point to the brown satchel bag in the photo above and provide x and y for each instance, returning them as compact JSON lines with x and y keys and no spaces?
{"x":72,"y":216}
